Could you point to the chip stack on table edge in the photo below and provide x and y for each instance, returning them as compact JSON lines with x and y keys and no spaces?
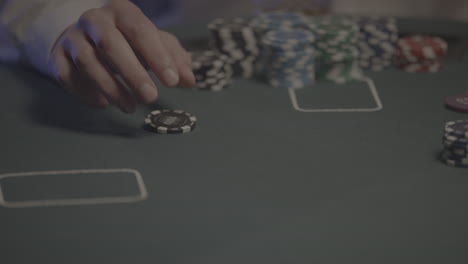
{"x":455,"y":142}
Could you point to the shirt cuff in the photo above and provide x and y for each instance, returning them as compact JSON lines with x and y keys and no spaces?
{"x":48,"y":27}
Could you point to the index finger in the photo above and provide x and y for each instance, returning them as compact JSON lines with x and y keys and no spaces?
{"x":143,"y":36}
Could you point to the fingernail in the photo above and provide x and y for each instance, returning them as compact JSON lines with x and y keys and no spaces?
{"x":190,"y":74}
{"x":128,"y":106}
{"x":171,"y":78}
{"x":148,"y":93}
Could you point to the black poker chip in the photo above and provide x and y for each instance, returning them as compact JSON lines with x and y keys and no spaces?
{"x":457,"y":128}
{"x":170,"y":121}
{"x":212,"y":70}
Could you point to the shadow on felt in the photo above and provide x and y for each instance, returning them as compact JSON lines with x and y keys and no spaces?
{"x":53,"y":106}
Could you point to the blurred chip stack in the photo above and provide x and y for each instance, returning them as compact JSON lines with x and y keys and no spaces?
{"x":288,"y":58}
{"x":377,"y":43}
{"x":336,"y":49}
{"x":212,"y":71}
{"x":456,"y":143}
{"x":265,"y":22}
{"x":308,"y":7}
{"x":420,"y":53}
{"x":236,"y":39}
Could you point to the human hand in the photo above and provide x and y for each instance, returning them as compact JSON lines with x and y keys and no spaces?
{"x":112,"y":39}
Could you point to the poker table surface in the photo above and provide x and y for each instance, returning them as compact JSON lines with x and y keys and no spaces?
{"x":257,"y":181}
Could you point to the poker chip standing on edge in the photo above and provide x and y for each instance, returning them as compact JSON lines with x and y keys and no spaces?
{"x":458,"y":102}
{"x":170,"y":121}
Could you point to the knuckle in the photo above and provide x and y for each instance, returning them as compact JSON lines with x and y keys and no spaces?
{"x":84,"y":57}
{"x":89,"y":15}
{"x":164,"y":63}
{"x":137,"y":10}
{"x":138,"y":29}
{"x":106,"y":40}
{"x":170,"y":37}
{"x":175,"y":40}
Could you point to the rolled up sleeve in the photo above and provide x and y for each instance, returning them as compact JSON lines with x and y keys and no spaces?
{"x":35,"y":25}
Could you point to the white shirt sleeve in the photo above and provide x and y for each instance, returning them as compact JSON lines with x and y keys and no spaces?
{"x":35,"y":25}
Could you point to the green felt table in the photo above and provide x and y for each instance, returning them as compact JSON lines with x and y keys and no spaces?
{"x":257,"y":182}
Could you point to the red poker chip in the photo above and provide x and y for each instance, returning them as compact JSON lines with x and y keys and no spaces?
{"x":421,"y":67}
{"x":458,"y":102}
{"x":418,"y":47}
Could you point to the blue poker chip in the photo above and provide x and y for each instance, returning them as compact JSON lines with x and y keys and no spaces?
{"x":378,"y":42}
{"x":289,"y":39}
{"x":456,"y":145}
{"x":278,"y":20}
{"x":287,"y":53}
{"x":455,"y":139}
{"x":457,"y":128}
{"x":455,"y":161}
{"x":457,"y":153}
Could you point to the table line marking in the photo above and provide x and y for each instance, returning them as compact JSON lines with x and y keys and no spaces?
{"x":372,"y":88}
{"x":143,"y":193}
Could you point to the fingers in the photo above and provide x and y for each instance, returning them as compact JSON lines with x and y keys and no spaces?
{"x":147,"y":40}
{"x":115,"y":50}
{"x":88,"y":64}
{"x":71,"y":80}
{"x":118,"y":37}
{"x":182,"y":58}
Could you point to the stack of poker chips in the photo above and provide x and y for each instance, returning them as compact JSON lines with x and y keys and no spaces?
{"x":236,"y":39}
{"x":288,"y":58}
{"x":336,"y":49}
{"x":420,"y":53}
{"x":212,"y":70}
{"x":455,"y":143}
{"x":265,"y":22}
{"x":377,"y":43}
{"x":271,"y":21}
{"x":308,"y":7}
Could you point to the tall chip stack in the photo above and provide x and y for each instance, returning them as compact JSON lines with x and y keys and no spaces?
{"x":265,"y":22}
{"x":288,"y":58}
{"x":378,"y":37}
{"x":455,"y":143}
{"x":420,"y":53}
{"x":236,"y":39}
{"x":275,"y":21}
{"x":336,"y":49}
{"x":308,"y":7}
